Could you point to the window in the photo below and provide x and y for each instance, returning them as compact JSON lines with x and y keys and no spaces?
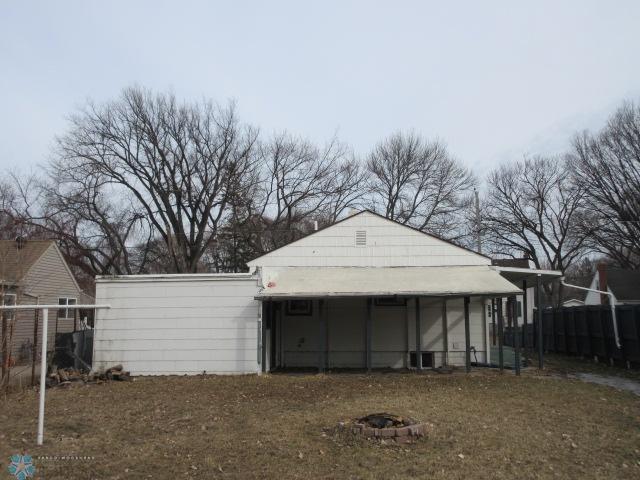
{"x":361,"y":238}
{"x":9,"y":299}
{"x":427,"y":359}
{"x":390,"y":302}
{"x":299,"y":307}
{"x":518,"y":308}
{"x":66,"y":312}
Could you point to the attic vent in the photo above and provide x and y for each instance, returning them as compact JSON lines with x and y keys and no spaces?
{"x":361,"y":238}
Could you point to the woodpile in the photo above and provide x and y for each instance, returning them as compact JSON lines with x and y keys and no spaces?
{"x":68,"y":377}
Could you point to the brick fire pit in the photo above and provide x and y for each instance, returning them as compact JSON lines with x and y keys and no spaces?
{"x":384,"y":426}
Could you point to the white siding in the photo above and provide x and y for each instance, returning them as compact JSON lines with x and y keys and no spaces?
{"x":389,"y":244}
{"x":593,"y":298}
{"x":189,"y":325}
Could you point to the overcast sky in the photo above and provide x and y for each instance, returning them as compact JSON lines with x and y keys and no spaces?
{"x":494,"y":80}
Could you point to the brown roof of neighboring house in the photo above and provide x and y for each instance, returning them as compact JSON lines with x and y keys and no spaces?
{"x":16,"y":262}
{"x":625,"y":284}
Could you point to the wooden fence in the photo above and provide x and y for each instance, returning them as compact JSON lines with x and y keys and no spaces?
{"x":586,"y":331}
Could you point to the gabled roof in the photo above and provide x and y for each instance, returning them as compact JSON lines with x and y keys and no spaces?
{"x":625,"y":284}
{"x":361,"y":212}
{"x":15,"y":262}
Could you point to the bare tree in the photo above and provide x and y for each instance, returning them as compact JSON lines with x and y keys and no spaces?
{"x":416,"y":182}
{"x":149,"y":166}
{"x":532,"y":209}
{"x":299,"y":182}
{"x":348,"y":190}
{"x":607,"y":167}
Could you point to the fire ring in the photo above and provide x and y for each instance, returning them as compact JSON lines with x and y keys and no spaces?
{"x":388,"y":427}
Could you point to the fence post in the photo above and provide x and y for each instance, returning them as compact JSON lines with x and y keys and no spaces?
{"x":605,"y":339}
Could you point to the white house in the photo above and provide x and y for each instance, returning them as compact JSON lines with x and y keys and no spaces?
{"x":623,"y":284}
{"x":366,"y":292}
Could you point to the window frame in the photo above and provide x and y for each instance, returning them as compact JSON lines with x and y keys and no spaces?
{"x":390,"y":301}
{"x":307,"y":311}
{"x":9,"y":314}
{"x":65,"y":310}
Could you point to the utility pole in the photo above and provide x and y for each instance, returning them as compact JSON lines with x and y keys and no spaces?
{"x":478,"y":229}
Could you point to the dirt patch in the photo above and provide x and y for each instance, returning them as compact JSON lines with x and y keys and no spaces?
{"x":274,"y":426}
{"x":615,"y":382}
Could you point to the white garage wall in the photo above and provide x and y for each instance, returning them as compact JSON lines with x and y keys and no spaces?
{"x":178,"y":324}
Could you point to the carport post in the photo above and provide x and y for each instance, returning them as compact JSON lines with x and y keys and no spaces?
{"x":540,"y":336}
{"x":418,"y":336}
{"x":525,"y":313}
{"x":516,"y":340}
{"x":500,"y":336}
{"x":467,"y":335}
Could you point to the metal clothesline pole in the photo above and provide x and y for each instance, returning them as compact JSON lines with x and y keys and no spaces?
{"x":43,"y":360}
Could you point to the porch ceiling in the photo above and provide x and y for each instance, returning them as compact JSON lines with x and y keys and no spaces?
{"x":455,"y":281}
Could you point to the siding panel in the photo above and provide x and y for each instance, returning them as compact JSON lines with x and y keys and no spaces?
{"x":181,"y":326}
{"x":388,"y":244}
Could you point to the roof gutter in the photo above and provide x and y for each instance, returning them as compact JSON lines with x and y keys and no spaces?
{"x":612,"y":302}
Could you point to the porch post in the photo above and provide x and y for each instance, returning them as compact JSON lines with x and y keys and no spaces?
{"x":500,"y":336}
{"x":418,"y":336}
{"x":516,"y":340}
{"x":467,"y":335}
{"x":445,"y":332}
{"x":369,"y":334}
{"x":263,"y":334}
{"x":322,"y":341}
{"x":326,"y":333}
{"x":493,"y":321}
{"x":525,"y":314}
{"x":540,"y":312}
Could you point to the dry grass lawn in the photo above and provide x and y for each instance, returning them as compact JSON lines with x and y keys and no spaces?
{"x":280,"y":426}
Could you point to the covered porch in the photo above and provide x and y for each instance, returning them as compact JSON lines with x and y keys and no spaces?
{"x":379,"y":318}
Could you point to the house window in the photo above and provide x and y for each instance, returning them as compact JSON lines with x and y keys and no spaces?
{"x":9,"y":299}
{"x":66,"y":312}
{"x":518,"y":308}
{"x":361,"y":238}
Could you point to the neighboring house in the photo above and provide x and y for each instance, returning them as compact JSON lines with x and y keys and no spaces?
{"x":365,"y":292}
{"x":35,"y":272}
{"x":623,"y":284}
{"x":573,"y":302}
